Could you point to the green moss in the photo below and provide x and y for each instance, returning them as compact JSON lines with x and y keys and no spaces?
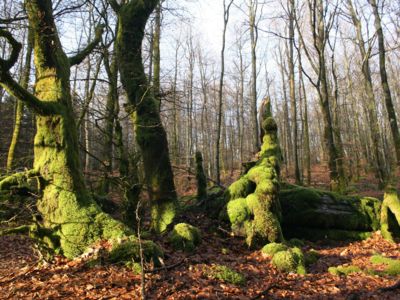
{"x":390,"y":215}
{"x":260,"y":215}
{"x":128,"y":250}
{"x":392,"y":265}
{"x":184,"y":237}
{"x":291,"y":260}
{"x":239,"y":189}
{"x":226,"y":274}
{"x":272,"y":248}
{"x":162,"y":215}
{"x":311,"y":257}
{"x":319,"y":209}
{"x":238,"y":213}
{"x":343,"y":270}
{"x":225,"y":251}
{"x":296,"y":242}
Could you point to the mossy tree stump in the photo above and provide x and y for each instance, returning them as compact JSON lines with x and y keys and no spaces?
{"x":253,"y":205}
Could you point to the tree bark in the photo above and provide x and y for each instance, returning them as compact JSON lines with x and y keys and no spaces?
{"x":68,"y":210}
{"x":150,"y":134}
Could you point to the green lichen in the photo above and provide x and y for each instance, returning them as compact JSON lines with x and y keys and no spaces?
{"x":226,"y":274}
{"x":184,"y":237}
{"x":291,"y":260}
{"x":343,"y":270}
{"x":272,"y":248}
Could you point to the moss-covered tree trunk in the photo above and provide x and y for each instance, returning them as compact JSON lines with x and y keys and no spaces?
{"x":200,"y":178}
{"x":150,"y":134}
{"x":69,"y":213}
{"x":253,"y":208}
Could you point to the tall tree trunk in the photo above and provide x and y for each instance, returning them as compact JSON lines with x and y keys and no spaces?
{"x":69,"y":213}
{"x":112,"y":99}
{"x":384,"y":81}
{"x":292,"y":92}
{"x":150,"y":134}
{"x":307,"y":150}
{"x":19,"y":112}
{"x":370,"y":98}
{"x":157,"y":54}
{"x":337,"y":132}
{"x":253,"y":43}
{"x":220,"y":92}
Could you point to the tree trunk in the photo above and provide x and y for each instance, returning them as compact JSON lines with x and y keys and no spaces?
{"x":385,"y":83}
{"x":220,"y":93}
{"x":150,"y":134}
{"x":19,"y":112}
{"x":68,"y":211}
{"x":156,"y":54}
{"x":316,"y":214}
{"x":292,"y":92}
{"x":370,"y":99}
{"x":253,"y":43}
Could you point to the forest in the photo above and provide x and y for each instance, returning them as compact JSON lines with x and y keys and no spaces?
{"x":199,"y":149}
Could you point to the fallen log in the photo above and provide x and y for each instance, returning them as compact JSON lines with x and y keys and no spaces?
{"x":316,"y":214}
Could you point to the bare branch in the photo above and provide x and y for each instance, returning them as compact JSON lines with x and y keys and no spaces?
{"x":80,"y":56}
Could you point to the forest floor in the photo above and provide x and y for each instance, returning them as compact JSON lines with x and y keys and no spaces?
{"x":188,"y":276}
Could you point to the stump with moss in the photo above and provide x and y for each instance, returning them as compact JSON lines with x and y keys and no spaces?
{"x":253,"y":206}
{"x":290,"y":260}
{"x":185,"y":237}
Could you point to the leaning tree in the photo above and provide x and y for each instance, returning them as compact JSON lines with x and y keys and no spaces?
{"x":71,"y":218}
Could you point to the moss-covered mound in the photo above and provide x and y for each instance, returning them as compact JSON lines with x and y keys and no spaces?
{"x":184,"y":237}
{"x":226,"y":274}
{"x":290,"y":260}
{"x":343,"y":270}
{"x":127,"y":251}
{"x":272,"y":248}
{"x":311,"y":257}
